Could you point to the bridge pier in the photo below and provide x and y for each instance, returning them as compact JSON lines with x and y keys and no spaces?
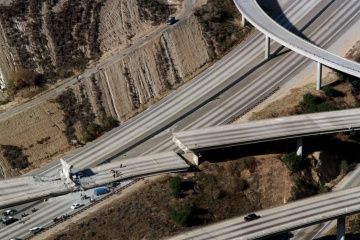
{"x":267,"y":47}
{"x":243,"y":20}
{"x":319,"y":76}
{"x":299,"y":147}
{"x":340,"y":235}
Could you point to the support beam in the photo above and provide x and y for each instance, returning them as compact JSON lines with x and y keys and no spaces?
{"x":243,"y":20}
{"x":267,"y":47}
{"x":299,"y":147}
{"x":319,"y":76}
{"x":340,"y":235}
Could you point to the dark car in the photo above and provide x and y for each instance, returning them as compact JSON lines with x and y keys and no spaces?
{"x":170,"y":21}
{"x":8,"y":220}
{"x":251,"y":216}
{"x":9,"y":212}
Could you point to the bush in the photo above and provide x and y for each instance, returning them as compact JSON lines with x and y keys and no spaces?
{"x":109,"y":123}
{"x":15,"y":156}
{"x":330,"y":91}
{"x":243,"y":184}
{"x":312,"y":104}
{"x":92,"y":131}
{"x":184,"y":215}
{"x":23,"y":78}
{"x":217,"y":18}
{"x":175,"y":186}
{"x":292,"y":161}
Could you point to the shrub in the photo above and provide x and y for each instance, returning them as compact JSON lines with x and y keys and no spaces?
{"x":184,"y":215}
{"x":243,"y":184}
{"x":15,"y":156}
{"x":175,"y":186}
{"x":109,"y":123}
{"x":23,"y":78}
{"x":311,"y":104}
{"x":92,"y":131}
{"x":329,"y":91}
{"x":292,"y":161}
{"x":217,"y":18}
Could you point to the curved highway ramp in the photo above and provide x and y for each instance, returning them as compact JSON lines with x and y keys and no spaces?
{"x":252,"y":12}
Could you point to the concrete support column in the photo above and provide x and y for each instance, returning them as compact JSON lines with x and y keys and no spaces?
{"x":267,"y":47}
{"x":243,"y":20}
{"x":319,"y":76}
{"x":340,"y":235}
{"x":299,"y":147}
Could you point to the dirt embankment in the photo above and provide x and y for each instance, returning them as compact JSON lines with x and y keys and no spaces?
{"x":151,"y":71}
{"x":124,"y":87}
{"x":59,"y":38}
{"x":219,"y":191}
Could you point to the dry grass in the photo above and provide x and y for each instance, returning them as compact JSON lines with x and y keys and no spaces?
{"x":215,"y":191}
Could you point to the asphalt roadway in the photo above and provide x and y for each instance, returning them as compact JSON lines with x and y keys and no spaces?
{"x":238,"y":70}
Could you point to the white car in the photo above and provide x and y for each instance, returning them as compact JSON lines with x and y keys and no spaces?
{"x":76,"y":205}
{"x":36,"y":229}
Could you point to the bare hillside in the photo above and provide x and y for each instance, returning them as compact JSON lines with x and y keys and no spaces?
{"x":134,"y":79}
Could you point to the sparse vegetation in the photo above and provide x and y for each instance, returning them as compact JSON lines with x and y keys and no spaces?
{"x":184,"y":215}
{"x":312,"y":104}
{"x":218,"y":20}
{"x":15,"y":156}
{"x":155,"y":11}
{"x":73,"y":32}
{"x":292,"y":161}
{"x":81,"y":112}
{"x":175,"y":186}
{"x":23,"y":78}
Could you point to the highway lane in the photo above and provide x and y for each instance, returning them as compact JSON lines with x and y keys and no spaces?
{"x":282,"y":219}
{"x":54,"y":207}
{"x":268,"y":130}
{"x":273,"y":75}
{"x":245,"y":64}
{"x":257,"y":17}
{"x":27,"y":189}
{"x":351,"y":180}
{"x":169,"y":110}
{"x":126,"y":169}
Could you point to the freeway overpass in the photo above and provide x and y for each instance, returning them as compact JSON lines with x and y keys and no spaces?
{"x":252,"y":12}
{"x":285,"y":218}
{"x":230,"y":70}
{"x":193,"y":141}
{"x":21,"y":190}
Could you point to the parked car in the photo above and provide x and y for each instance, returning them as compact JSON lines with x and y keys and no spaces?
{"x":76,"y":206}
{"x":35,"y":230}
{"x":170,"y":20}
{"x":251,"y":217}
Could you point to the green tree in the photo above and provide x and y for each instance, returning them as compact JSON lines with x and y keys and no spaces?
{"x":175,"y":186}
{"x":91,"y":132}
{"x":292,"y":161}
{"x":184,"y":215}
{"x":109,"y":123}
